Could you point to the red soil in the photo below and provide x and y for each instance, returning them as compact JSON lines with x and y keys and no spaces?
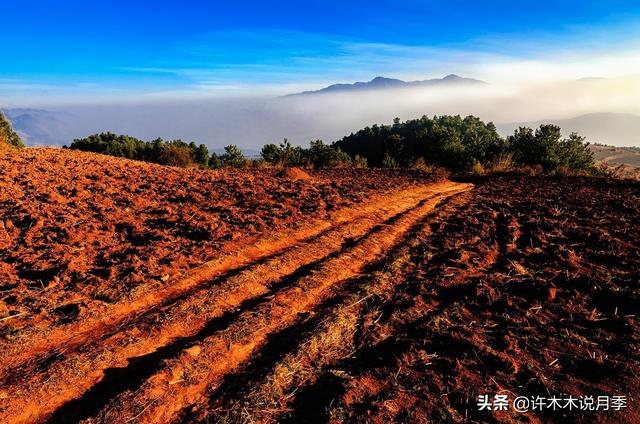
{"x":525,"y":286}
{"x":140,"y":293}
{"x":79,"y":231}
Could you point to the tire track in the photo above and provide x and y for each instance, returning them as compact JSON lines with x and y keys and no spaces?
{"x":144,"y":340}
{"x":184,"y":380}
{"x":38,"y":347}
{"x":139,"y":368}
{"x":297,"y":356}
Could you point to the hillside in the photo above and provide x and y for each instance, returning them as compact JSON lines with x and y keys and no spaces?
{"x":619,"y":129}
{"x":138,"y":292}
{"x":108,"y":225}
{"x":8,"y":137}
{"x":41,"y":127}
{"x":617,"y":155}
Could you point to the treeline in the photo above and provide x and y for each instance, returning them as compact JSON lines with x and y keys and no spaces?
{"x":462,"y":144}
{"x":172,"y":152}
{"x":179,"y":153}
{"x":453,"y":142}
{"x":318,"y":155}
{"x":7,"y":135}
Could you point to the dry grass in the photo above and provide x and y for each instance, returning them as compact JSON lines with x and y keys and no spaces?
{"x":332,"y":340}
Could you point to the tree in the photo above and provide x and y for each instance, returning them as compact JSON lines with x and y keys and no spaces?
{"x":7,"y":134}
{"x":175,"y":155}
{"x":396,"y":149}
{"x":546,"y":144}
{"x":290,"y":155}
{"x":284,"y":154}
{"x":233,"y":156}
{"x":321,"y":155}
{"x":202,"y":155}
{"x":214,"y":161}
{"x":271,"y":153}
{"x":113,"y":145}
{"x":546,"y":147}
{"x":449,"y":141}
{"x":173,"y":152}
{"x":575,"y":154}
{"x":522,"y":143}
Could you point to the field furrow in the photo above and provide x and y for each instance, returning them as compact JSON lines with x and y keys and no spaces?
{"x":184,"y":380}
{"x":126,"y":354}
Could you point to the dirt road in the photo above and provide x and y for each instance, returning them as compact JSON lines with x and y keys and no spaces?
{"x":162,"y":355}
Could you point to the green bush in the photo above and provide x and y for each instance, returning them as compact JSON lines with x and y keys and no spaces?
{"x":174,"y":152}
{"x":214,"y":161}
{"x":360,"y":162}
{"x":575,"y":154}
{"x":546,"y":148}
{"x":175,"y":155}
{"x":450,"y":141}
{"x":271,"y":153}
{"x":7,"y":134}
{"x":458,"y":144}
{"x":233,"y":156}
{"x":467,"y":144}
{"x":319,"y":155}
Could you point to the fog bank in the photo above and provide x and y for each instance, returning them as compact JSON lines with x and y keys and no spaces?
{"x":252,"y":122}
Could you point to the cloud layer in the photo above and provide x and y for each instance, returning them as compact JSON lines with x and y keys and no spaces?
{"x":253,"y":121}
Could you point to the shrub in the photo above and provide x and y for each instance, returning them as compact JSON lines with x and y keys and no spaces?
{"x":450,"y":141}
{"x":233,"y":156}
{"x":547,"y":149}
{"x":359,"y":162}
{"x":575,"y":154}
{"x":7,"y":134}
{"x":319,"y":155}
{"x":175,"y":155}
{"x":388,"y":161}
{"x":174,"y":152}
{"x":202,"y":156}
{"x":501,"y":163}
{"x":478,"y":170}
{"x":271,"y":153}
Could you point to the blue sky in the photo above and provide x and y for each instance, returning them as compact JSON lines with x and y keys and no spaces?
{"x":80,"y":51}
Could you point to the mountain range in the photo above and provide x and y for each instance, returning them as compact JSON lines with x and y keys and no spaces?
{"x":42,"y":127}
{"x":382,"y":83}
{"x":299,"y":118}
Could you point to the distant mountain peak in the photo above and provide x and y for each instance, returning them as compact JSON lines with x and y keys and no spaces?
{"x":381,"y":82}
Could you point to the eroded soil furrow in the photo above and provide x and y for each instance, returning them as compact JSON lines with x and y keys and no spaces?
{"x":277,"y":347}
{"x":184,"y":380}
{"x":122,"y":361}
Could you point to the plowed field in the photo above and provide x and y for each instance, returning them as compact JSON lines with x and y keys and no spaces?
{"x":139,"y":293}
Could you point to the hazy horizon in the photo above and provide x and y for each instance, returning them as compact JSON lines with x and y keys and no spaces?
{"x":251,"y":122}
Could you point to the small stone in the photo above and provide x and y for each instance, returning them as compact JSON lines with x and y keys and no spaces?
{"x":194,"y":351}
